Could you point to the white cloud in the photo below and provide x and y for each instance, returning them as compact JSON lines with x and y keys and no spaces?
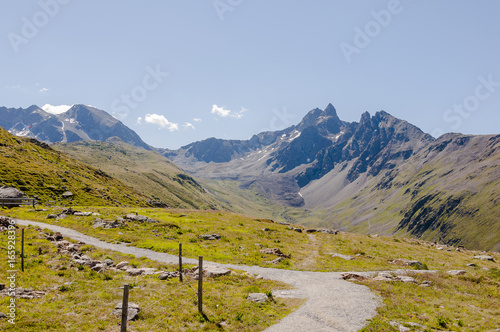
{"x":222,"y":112}
{"x":139,"y":120}
{"x":188,"y":125}
{"x":44,"y":90}
{"x":161,"y":121}
{"x":197,"y":119}
{"x":55,"y":109}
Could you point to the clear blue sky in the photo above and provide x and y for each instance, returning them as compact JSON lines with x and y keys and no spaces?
{"x":264,"y":64}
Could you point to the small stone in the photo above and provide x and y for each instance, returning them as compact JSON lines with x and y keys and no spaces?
{"x":257,"y":297}
{"x":471,"y":265}
{"x":51,"y":216}
{"x":67,"y":194}
{"x":2,"y":315}
{"x":456,"y":272}
{"x":108,"y":262}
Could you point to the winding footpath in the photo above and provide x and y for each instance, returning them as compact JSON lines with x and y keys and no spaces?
{"x":332,"y":304}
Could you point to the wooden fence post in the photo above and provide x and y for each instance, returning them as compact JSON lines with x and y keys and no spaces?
{"x":200,"y":284}
{"x":124,"y":309}
{"x":22,"y":249}
{"x":180,"y":262}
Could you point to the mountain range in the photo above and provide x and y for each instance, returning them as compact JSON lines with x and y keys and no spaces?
{"x":379,"y":175}
{"x":78,"y":123}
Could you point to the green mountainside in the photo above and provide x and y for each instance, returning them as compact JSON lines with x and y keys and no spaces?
{"x":38,"y":170}
{"x":146,"y":171}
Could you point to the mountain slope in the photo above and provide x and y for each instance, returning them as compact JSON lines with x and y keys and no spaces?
{"x":447,"y":192}
{"x":79,"y":123}
{"x":379,"y":175}
{"x":147,"y":171}
{"x":38,"y":170}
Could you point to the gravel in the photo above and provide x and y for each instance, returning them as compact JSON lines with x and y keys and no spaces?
{"x":332,"y":304}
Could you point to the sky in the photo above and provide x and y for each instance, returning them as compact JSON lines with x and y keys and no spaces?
{"x":183,"y":71}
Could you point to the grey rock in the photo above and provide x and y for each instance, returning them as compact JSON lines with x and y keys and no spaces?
{"x":456,"y":272}
{"x":484,"y":258}
{"x":257,"y":297}
{"x":108,"y":262}
{"x":346,"y":257}
{"x":406,"y":279}
{"x":168,"y":275}
{"x":274,"y":251}
{"x":61,"y":216}
{"x":406,"y":262}
{"x":51,"y":216}
{"x":2,"y":315}
{"x":471,"y":265}
{"x":121,"y":265}
{"x":210,"y":237}
{"x":133,"y":310}
{"x":67,"y":194}
{"x":215,"y":271}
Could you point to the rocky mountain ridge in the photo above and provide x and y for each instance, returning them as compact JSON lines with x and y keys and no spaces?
{"x":79,"y":123}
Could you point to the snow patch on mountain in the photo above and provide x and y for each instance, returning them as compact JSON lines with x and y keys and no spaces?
{"x":53,"y":109}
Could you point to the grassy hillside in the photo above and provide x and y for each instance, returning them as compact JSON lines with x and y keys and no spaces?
{"x":38,"y":170}
{"x":467,"y":302}
{"x":77,"y":298}
{"x":146,"y":171}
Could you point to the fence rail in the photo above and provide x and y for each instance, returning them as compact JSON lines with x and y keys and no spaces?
{"x":6,"y":202}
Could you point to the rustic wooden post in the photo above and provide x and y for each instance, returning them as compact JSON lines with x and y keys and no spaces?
{"x":124,"y":309}
{"x":180,"y":262}
{"x":200,"y":284}
{"x":22,"y":249}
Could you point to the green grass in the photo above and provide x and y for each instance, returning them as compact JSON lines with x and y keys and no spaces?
{"x":453,"y":303}
{"x":146,"y":171}
{"x":477,"y":290}
{"x":38,"y":170}
{"x":86,"y":304}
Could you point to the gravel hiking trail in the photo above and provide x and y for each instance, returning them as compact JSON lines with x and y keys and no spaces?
{"x":332,"y":304}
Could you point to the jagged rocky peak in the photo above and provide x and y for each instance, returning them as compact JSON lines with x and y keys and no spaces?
{"x":327,"y":120}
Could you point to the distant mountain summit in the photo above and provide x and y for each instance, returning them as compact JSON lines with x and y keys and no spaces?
{"x":305,"y":152}
{"x":78,"y":123}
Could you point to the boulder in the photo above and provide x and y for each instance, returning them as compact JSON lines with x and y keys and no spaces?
{"x":346,"y":257}
{"x":133,"y":310}
{"x":329,"y":231}
{"x":406,"y":279}
{"x":456,"y":272}
{"x":168,"y":275}
{"x":274,"y":251}
{"x":406,"y":262}
{"x":121,"y":265}
{"x":257,"y":297}
{"x":10,"y":192}
{"x":210,"y":237}
{"x":484,"y":258}
{"x":216,"y":271}
{"x":352,"y":276}
{"x":276,"y":261}
{"x":67,"y":194}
